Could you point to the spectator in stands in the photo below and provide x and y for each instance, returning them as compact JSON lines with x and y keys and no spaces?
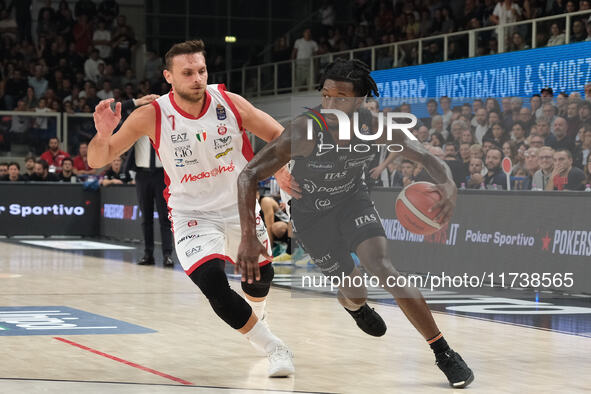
{"x":432,"y":111}
{"x":561,"y":104}
{"x":536,"y":141}
{"x":506,"y":12}
{"x":531,"y":166}
{"x":433,"y":53}
{"x":457,"y":129}
{"x":562,"y":140}
{"x":585,"y":112}
{"x":405,"y":176}
{"x":91,"y":66}
{"x":556,"y":36}
{"x":475,"y":179}
{"x":518,"y":132}
{"x":582,"y":151}
{"x":494,"y":175}
{"x":543,"y":130}
{"x":517,"y":43}
{"x":510,"y":150}
{"x":572,"y":117}
{"x":67,"y":174}
{"x":46,"y":24}
{"x":422,"y":133}
{"x":437,"y":127}
{"x":303,"y":48}
{"x":106,"y":92}
{"x":436,"y":139}
{"x":82,"y":32}
{"x":588,"y":171}
{"x":41,"y":172}
{"x":497,"y":134}
{"x":101,"y":40}
{"x":108,"y":10}
{"x":65,"y":22}
{"x":38,"y":82}
{"x":446,"y":113}
{"x":464,"y":153}
{"x":15,"y":88}
{"x":54,"y":156}
{"x":467,"y":137}
{"x":525,"y":117}
{"x":564,"y":176}
{"x":579,"y":31}
{"x":481,"y":127}
{"x":123,"y":42}
{"x":14,"y":173}
{"x":80,"y":162}
{"x":3,"y":170}
{"x":114,"y":175}
{"x":542,"y":175}
{"x":476,"y":151}
{"x":494,"y":117}
{"x":29,"y":167}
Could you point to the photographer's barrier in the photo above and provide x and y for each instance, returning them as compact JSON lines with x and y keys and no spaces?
{"x":497,"y":234}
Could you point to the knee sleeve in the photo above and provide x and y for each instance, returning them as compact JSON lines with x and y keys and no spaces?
{"x":261,"y":287}
{"x":226,"y":303}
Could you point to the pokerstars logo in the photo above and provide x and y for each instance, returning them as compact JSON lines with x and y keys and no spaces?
{"x":568,"y":242}
{"x":219,"y":170}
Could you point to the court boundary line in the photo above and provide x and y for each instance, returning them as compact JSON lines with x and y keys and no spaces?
{"x":164,"y":385}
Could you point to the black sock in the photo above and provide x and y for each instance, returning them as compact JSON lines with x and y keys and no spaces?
{"x":288,"y":250}
{"x":438,"y":344}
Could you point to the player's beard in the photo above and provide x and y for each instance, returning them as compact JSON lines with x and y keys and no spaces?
{"x":190,"y":96}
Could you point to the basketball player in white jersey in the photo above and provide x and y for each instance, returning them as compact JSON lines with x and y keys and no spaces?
{"x":198,"y":132}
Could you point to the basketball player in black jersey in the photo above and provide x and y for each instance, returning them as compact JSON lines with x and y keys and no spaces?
{"x":333,"y":214}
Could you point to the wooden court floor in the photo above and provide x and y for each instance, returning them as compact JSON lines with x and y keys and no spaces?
{"x":188,"y":349}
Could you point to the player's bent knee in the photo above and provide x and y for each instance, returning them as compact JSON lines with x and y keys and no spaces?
{"x":261,"y":287}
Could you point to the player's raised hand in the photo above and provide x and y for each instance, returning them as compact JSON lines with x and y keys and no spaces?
{"x":105,"y":120}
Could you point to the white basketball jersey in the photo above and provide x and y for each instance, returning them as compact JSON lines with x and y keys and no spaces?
{"x":202,"y":156}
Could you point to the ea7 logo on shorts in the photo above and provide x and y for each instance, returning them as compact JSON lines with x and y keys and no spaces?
{"x":224,"y":153}
{"x":182,"y":151}
{"x":365,"y":219}
{"x":178,"y":138}
{"x":192,"y":251}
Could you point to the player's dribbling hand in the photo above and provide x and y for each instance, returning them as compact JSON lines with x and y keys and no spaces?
{"x":447,"y":204}
{"x":105,"y":120}
{"x":247,"y":261}
{"x":287,"y":183}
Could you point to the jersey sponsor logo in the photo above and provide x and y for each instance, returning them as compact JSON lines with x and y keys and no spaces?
{"x":221,"y":143}
{"x":365,"y":219}
{"x":316,"y":165}
{"x":192,"y":223}
{"x":201,"y":135}
{"x":309,"y":186}
{"x":178,"y":138}
{"x":179,"y":162}
{"x":220,"y":111}
{"x":333,"y":176}
{"x":182,"y":151}
{"x":224,"y":153}
{"x":338,"y":189}
{"x":222,"y":129}
{"x":321,"y":204}
{"x":357,"y":162}
{"x":192,"y":251}
{"x":219,"y":170}
{"x":186,"y":237}
{"x":322,"y":260}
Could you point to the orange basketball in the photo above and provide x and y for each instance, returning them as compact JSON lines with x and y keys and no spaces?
{"x":412,"y":208}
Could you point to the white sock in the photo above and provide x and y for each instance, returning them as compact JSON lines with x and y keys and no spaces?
{"x":258,"y":307}
{"x":263,"y":338}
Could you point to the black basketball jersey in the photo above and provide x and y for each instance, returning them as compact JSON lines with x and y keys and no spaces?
{"x":329,"y":177}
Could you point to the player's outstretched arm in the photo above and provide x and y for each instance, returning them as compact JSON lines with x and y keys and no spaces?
{"x":439,"y":171}
{"x":105,"y":145}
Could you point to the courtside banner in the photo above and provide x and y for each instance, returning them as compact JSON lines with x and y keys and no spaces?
{"x":499,"y":232}
{"x":48,"y":209}
{"x":564,"y":68}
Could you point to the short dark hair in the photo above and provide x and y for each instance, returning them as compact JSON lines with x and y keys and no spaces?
{"x":14,"y":163}
{"x":496,"y":147}
{"x":4,"y":164}
{"x":568,"y":153}
{"x":68,"y":159}
{"x":408,"y":161}
{"x":184,"y":48}
{"x":43,"y":163}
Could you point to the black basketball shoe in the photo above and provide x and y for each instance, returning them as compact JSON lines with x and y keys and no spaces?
{"x":369,"y":321}
{"x":454,"y":367}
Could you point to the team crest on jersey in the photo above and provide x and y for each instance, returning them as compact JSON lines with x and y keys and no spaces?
{"x":201,"y":135}
{"x":222,"y":129}
{"x":224,"y":153}
{"x":220,"y":111}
